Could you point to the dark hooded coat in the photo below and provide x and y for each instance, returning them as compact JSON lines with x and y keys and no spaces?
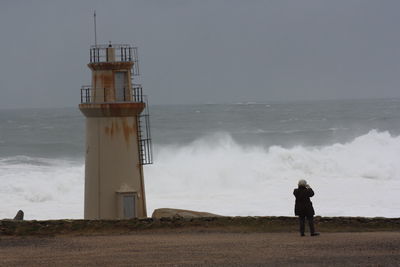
{"x":303,"y":206}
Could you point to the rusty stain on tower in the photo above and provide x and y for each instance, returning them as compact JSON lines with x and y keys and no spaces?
{"x":118,"y":140}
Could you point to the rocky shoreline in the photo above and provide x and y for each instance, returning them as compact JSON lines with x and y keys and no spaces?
{"x":205,"y":224}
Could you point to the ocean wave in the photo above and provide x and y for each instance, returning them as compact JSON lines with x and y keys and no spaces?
{"x":43,"y":188}
{"x":292,"y":131}
{"x":35,"y":161}
{"x":215,"y":173}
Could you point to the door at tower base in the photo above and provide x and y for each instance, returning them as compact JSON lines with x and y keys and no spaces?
{"x":127,"y":202}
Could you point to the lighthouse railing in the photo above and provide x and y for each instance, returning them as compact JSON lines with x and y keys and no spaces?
{"x":102,"y":95}
{"x":137,"y":93}
{"x":86,"y":94}
{"x":121,"y":53}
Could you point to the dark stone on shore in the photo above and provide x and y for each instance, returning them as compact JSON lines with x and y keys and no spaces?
{"x":19,"y":216}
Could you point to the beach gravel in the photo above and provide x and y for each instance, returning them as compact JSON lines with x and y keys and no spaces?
{"x":165,"y":248}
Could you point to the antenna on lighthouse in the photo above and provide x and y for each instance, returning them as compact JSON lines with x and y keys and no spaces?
{"x":95,"y":31}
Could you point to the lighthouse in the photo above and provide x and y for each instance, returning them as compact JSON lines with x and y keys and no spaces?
{"x":118,"y":141}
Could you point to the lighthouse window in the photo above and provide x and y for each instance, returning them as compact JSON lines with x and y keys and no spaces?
{"x":129,"y":206}
{"x":120,"y":85}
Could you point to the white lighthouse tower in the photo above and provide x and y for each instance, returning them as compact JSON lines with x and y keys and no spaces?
{"x":118,"y":141}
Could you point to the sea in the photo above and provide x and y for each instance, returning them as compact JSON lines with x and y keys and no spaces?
{"x":238,"y":159}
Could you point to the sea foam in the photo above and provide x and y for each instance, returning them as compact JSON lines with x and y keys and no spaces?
{"x":218,"y":175}
{"x":42,"y":188}
{"x":215,"y":174}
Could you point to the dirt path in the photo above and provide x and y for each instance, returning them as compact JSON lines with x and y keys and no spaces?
{"x":218,"y":249}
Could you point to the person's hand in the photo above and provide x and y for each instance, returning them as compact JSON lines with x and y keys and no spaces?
{"x":308,"y":186}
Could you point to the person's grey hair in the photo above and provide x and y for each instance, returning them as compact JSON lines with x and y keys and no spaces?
{"x":302,"y":182}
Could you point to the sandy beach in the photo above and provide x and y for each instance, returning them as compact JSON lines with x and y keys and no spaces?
{"x":165,"y":248}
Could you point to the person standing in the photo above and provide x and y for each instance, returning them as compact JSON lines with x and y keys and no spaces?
{"x":303,"y":207}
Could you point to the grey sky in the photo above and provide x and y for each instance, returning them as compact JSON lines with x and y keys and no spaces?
{"x":202,"y":51}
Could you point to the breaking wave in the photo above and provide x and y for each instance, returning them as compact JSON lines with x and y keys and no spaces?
{"x":217,"y":174}
{"x":43,"y":188}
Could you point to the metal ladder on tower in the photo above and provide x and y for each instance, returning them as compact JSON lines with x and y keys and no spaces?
{"x":143,"y":120}
{"x":144,"y":136}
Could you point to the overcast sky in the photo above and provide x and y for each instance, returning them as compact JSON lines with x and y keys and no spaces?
{"x":215,"y":51}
